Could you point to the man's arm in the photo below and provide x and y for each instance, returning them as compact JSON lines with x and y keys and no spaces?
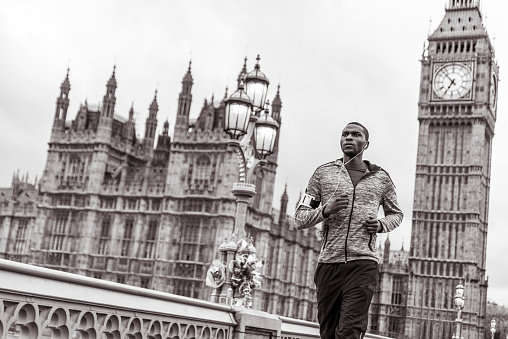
{"x":393,"y":213}
{"x":310,"y":211}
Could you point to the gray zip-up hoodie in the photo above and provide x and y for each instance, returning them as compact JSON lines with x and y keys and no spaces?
{"x":345,"y":238}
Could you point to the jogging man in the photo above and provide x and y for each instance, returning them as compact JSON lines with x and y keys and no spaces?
{"x":345,"y":195}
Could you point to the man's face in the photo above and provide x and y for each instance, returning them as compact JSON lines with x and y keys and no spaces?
{"x":352,"y":140}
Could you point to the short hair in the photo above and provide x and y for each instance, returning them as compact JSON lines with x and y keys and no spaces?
{"x":365,"y":130}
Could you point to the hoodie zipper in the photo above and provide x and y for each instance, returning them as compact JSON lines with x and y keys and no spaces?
{"x":351,"y":214}
{"x":349,"y":223}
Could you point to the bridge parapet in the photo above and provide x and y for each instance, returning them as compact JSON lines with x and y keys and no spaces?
{"x":37,"y":302}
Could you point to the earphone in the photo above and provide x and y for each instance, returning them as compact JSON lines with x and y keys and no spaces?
{"x":336,"y":187}
{"x":340,"y":171}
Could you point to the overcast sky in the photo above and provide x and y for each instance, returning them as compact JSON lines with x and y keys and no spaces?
{"x":336,"y":61}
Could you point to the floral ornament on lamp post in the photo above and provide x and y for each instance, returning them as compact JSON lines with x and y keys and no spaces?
{"x":245,"y":275}
{"x":216,"y":275}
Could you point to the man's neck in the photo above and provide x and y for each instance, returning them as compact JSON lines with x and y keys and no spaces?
{"x":357,"y":161}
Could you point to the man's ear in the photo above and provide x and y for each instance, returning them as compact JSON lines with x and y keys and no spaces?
{"x":366,"y":145}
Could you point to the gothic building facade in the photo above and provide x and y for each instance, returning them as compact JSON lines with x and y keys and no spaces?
{"x":456,"y":114}
{"x":388,"y":308}
{"x":153,"y":211}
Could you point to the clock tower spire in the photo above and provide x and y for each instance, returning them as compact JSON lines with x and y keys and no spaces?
{"x":457,"y":115}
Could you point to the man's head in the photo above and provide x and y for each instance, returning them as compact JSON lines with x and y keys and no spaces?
{"x":354,"y":139}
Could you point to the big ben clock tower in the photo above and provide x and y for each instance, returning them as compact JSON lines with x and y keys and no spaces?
{"x":456,"y":114}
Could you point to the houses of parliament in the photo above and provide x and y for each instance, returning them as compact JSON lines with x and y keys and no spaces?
{"x":153,"y":211}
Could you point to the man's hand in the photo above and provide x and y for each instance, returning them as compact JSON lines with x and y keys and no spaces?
{"x":335,"y":205}
{"x":372,"y":225}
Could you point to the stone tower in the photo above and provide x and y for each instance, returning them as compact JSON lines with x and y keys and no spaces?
{"x":456,"y":114}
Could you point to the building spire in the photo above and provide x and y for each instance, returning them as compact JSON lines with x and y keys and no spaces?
{"x":165,"y":130}
{"x":242,"y":73}
{"x":112,"y":80}
{"x":151,"y":122}
{"x":184,"y":101}
{"x":386,"y":258}
{"x":277,"y":106}
{"x":154,"y":107}
{"x":188,"y":76}
{"x":283,"y":205}
{"x":108,"y":104}
{"x":62,"y":102}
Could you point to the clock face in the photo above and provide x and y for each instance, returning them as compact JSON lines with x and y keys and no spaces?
{"x":493,"y":92}
{"x":452,"y":81}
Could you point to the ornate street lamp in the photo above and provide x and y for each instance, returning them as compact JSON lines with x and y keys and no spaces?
{"x":257,"y":86}
{"x":493,"y":327}
{"x":253,"y":135}
{"x":459,"y":304}
{"x":238,"y":112}
{"x":265,"y":133}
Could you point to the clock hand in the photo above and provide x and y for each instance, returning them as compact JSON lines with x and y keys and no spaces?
{"x":451,"y":83}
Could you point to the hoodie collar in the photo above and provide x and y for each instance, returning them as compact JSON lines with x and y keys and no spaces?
{"x":370,"y":166}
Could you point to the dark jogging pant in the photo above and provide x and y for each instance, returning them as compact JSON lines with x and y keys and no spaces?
{"x":344,"y":293}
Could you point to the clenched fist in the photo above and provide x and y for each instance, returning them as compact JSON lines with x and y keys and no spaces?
{"x":372,"y":225}
{"x":335,"y":205}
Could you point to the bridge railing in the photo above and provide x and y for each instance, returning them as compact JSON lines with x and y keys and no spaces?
{"x":37,"y":302}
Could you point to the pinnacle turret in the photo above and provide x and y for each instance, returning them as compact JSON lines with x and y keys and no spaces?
{"x":184,"y":101}
{"x":112,"y":79}
{"x":187,"y":79}
{"x":283,"y":205}
{"x":165,"y":131}
{"x":386,"y":258}
{"x":277,"y":106}
{"x":62,"y":102}
{"x":151,"y":122}
{"x":242,"y":73}
{"x":154,"y":107}
{"x":66,"y":86}
{"x":108,"y":104}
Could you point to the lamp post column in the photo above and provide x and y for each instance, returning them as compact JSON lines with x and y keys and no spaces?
{"x":243,"y":192}
{"x":493,"y":328}
{"x":459,"y":303}
{"x":459,"y":325}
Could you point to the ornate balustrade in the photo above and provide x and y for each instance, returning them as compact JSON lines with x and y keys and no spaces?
{"x":37,"y":302}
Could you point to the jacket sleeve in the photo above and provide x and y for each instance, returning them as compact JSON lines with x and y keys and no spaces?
{"x":305,"y":216}
{"x":393,"y":213}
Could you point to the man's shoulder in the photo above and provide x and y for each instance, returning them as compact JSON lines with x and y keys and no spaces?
{"x":327,"y":165}
{"x":380,"y":172}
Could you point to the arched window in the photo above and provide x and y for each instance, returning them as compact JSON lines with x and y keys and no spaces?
{"x":59,"y":230}
{"x":203,"y":170}
{"x":74,"y":170}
